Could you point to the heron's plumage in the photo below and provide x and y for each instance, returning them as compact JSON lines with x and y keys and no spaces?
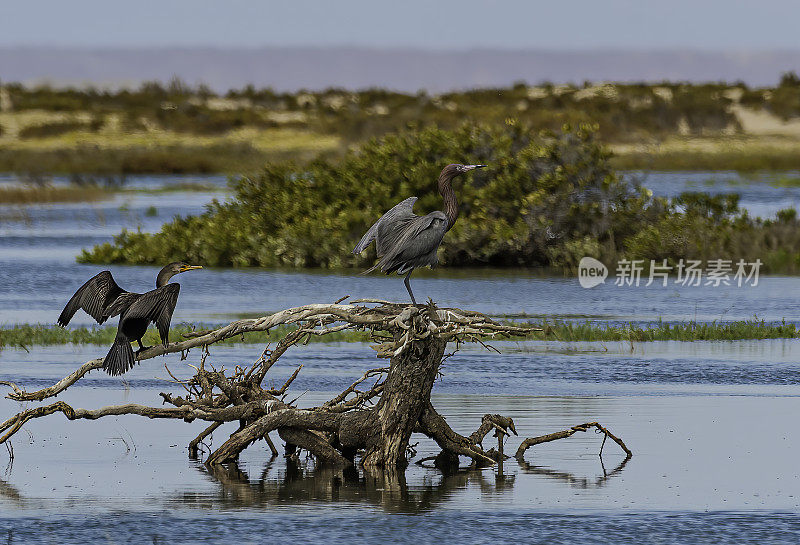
{"x":388,"y":228}
{"x":413,"y":244}
{"x":405,"y":241}
{"x":122,"y":303}
{"x":155,"y":307}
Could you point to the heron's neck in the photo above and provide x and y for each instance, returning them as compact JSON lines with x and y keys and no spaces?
{"x":163,"y":277}
{"x":449,"y":197}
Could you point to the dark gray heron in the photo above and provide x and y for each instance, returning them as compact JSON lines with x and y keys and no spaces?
{"x":101,"y":298}
{"x":405,"y":241}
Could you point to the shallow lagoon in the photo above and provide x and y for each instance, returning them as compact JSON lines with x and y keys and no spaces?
{"x":700,"y":444}
{"x":711,"y":424}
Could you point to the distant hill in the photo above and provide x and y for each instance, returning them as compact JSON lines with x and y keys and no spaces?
{"x":289,"y":69}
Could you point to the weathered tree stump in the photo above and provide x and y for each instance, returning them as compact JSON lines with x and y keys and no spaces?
{"x":371,"y":426}
{"x":406,"y":393}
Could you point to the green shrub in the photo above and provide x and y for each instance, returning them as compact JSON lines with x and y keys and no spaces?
{"x":541,"y":192}
{"x":714,"y":227}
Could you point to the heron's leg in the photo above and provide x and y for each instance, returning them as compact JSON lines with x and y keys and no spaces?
{"x":408,"y":287}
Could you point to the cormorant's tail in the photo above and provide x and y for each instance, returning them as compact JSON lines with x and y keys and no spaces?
{"x":120,"y":356}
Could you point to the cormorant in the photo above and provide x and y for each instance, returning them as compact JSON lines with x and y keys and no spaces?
{"x":101,"y":298}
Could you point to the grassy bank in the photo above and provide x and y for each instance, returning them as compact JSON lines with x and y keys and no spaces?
{"x":740,"y":153}
{"x":160,"y":152}
{"x":27,"y":335}
{"x":76,"y":192}
{"x":47,"y":194}
{"x":681,"y":331}
{"x":116,"y":158}
{"x":45,"y":335}
{"x":175,"y":127}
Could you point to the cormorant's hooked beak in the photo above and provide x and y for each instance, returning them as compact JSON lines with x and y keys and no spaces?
{"x":190,"y":268}
{"x":473,"y":167}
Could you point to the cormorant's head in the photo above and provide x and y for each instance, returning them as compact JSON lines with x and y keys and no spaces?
{"x":171,"y":270}
{"x":180,"y":266}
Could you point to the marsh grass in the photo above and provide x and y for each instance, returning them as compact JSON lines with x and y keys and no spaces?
{"x":48,"y":127}
{"x":176,"y":159}
{"x":28,"y":335}
{"x":661,"y":331}
{"x":162,"y":152}
{"x":48,"y":194}
{"x":786,"y":181}
{"x":188,"y":187}
{"x":739,"y":153}
{"x":92,"y":192}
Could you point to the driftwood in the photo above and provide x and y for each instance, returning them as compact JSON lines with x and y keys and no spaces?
{"x":371,"y":424}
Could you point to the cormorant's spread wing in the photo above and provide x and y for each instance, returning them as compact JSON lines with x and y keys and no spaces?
{"x":413,"y":244}
{"x":94,"y":297}
{"x":121,"y":303}
{"x":156,"y":306}
{"x":389,"y":224}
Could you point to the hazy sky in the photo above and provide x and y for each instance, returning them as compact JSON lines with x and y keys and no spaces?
{"x":437,"y":24}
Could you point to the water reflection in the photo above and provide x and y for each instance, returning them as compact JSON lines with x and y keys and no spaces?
{"x":300,"y":483}
{"x":11,"y":494}
{"x":571,"y":479}
{"x":287,"y":482}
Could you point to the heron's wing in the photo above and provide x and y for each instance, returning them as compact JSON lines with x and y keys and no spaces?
{"x":156,"y":306}
{"x":419,"y":238}
{"x":93,"y":297}
{"x":387,"y":225}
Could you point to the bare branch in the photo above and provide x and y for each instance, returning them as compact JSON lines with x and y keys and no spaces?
{"x":58,"y":387}
{"x":352,"y":388}
{"x":376,"y":421}
{"x":184,"y":412}
{"x":195,"y":443}
{"x":282,"y":389}
{"x":530,"y":441}
{"x":435,"y":426}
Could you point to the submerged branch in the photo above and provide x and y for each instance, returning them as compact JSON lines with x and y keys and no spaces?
{"x":531,"y":441}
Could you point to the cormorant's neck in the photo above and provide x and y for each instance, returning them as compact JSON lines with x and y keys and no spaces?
{"x":449,"y":197}
{"x":163,"y":277}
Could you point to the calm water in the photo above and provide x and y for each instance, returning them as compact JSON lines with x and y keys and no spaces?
{"x":762,"y":194}
{"x":712,"y":425}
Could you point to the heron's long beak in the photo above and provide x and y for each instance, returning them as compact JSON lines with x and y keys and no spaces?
{"x":473,"y":167}
{"x":191,"y":267}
